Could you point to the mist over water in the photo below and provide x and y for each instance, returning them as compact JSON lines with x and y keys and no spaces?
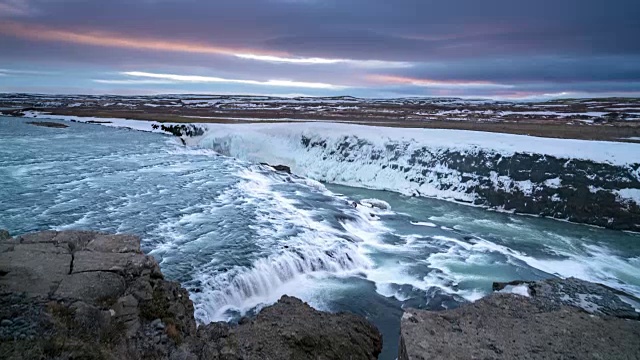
{"x":238,"y":235}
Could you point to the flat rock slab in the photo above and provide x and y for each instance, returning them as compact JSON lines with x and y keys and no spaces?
{"x":35,"y":269}
{"x":122,"y":263}
{"x":91,"y":286}
{"x":507,"y":326}
{"x":48,"y":124}
{"x":80,"y":265}
{"x":115,"y":244}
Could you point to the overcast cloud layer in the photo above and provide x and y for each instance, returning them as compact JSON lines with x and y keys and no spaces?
{"x":369,"y":48}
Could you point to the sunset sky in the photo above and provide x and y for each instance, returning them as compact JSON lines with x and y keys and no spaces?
{"x":518,"y":49}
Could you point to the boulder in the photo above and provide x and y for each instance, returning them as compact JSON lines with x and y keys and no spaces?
{"x":291,"y":329}
{"x":281,"y":168}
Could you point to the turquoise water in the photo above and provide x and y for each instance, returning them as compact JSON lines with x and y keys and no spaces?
{"x":239,"y":235}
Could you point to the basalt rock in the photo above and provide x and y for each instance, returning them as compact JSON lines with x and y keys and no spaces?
{"x":281,"y":168}
{"x":593,"y":298}
{"x":189,"y":130}
{"x":49,"y":124}
{"x":87,"y":295}
{"x":560,"y":319}
{"x":577,"y":190}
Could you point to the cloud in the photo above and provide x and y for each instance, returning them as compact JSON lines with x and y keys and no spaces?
{"x":403,"y":47}
{"x":395,"y":80}
{"x":25,"y":72}
{"x":102,"y":39}
{"x":11,"y":8}
{"x":324,"y":61}
{"x":211,"y":79}
{"x":133,"y":82}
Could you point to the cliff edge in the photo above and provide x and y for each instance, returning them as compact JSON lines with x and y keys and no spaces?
{"x":88,"y":295}
{"x":551,"y":319}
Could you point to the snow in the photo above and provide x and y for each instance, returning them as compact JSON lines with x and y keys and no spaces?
{"x":595,"y":189}
{"x":376,"y":203}
{"x":615,"y":153}
{"x":553,"y":183}
{"x":408,"y":161}
{"x":525,"y":186}
{"x":112,"y":122}
{"x":555,"y":113}
{"x":522,"y":290}
{"x":424,"y":223}
{"x":222,"y":117}
{"x":629,"y":194}
{"x":544,"y":113}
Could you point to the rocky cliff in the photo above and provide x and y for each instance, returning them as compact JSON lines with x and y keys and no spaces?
{"x":86,"y":295}
{"x":552,"y":319}
{"x":576,"y":190}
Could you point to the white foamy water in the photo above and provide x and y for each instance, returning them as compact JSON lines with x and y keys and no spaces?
{"x":239,"y":235}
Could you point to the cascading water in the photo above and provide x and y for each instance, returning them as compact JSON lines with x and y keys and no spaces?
{"x":239,"y":235}
{"x":539,"y":176}
{"x":243,"y":288}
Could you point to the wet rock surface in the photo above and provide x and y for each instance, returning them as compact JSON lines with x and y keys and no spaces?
{"x":593,"y":298}
{"x":85,"y":295}
{"x":577,"y":190}
{"x":281,"y":168}
{"x":291,"y":329}
{"x":48,"y":124}
{"x":553,"y":322}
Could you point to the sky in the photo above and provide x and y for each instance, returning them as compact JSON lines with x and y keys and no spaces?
{"x":508,"y":49}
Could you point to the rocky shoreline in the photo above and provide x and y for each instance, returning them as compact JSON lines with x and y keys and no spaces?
{"x":88,"y":295}
{"x":550,"y":319}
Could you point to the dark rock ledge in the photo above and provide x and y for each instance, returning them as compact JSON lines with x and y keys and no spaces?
{"x":86,"y":295}
{"x":49,"y":124}
{"x":560,"y":319}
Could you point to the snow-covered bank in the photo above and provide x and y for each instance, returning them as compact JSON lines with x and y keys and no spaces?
{"x":112,"y":122}
{"x":460,"y":140}
{"x":577,"y":180}
{"x":568,"y":179}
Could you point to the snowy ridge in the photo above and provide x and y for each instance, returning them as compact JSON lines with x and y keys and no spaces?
{"x":462,"y":140}
{"x":532,"y":175}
